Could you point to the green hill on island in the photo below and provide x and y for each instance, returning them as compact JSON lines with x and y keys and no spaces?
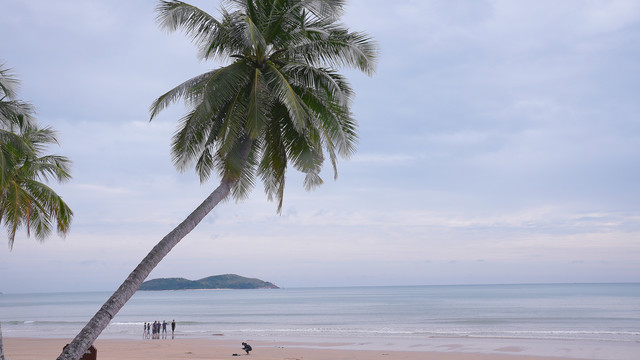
{"x":226,"y":281}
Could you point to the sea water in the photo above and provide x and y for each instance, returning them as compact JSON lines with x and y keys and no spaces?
{"x":428,"y":318}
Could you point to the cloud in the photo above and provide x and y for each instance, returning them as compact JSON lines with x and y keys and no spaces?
{"x":495,"y":130}
{"x":105,"y":190}
{"x":384,"y":158}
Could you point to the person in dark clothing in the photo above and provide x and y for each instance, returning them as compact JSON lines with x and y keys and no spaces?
{"x":246,"y":347}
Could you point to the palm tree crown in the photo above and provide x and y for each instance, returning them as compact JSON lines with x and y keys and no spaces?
{"x":25,"y":201}
{"x":278,"y":101}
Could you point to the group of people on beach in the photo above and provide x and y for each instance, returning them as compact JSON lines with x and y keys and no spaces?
{"x":157,"y":330}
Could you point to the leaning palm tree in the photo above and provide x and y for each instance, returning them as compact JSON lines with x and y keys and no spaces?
{"x":277,"y":102}
{"x":26,"y":201}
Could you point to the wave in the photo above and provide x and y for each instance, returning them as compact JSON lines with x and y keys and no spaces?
{"x":540,"y":312}
{"x":42,"y":322}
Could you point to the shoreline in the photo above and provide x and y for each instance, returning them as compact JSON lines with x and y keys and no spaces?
{"x":564,"y":322}
{"x":218,"y":349}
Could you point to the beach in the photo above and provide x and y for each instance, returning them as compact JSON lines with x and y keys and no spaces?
{"x":201,"y":349}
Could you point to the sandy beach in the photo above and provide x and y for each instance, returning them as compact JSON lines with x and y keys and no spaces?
{"x":201,"y":349}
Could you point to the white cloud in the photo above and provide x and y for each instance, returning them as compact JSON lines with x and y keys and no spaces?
{"x":610,"y":16}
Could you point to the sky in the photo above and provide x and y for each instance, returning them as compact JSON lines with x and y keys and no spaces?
{"x":499,"y":142}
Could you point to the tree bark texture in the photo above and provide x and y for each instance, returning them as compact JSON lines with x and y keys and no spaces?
{"x":101,"y":319}
{"x":1,"y":346}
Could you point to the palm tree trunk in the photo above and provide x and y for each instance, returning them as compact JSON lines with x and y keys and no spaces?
{"x":1,"y":346}
{"x":101,"y":319}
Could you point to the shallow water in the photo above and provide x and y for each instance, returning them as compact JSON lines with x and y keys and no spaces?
{"x":408,"y":317}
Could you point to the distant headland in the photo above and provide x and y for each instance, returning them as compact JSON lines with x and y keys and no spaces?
{"x":226,"y":281}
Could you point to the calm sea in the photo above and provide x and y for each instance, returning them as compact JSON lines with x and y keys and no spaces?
{"x":411,"y":317}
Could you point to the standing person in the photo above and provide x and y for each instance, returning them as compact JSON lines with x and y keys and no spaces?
{"x":246,"y":347}
{"x":164,"y":329}
{"x":144,"y":331}
{"x":173,"y":328}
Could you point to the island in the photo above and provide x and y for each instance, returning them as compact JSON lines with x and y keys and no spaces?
{"x":226,"y":281}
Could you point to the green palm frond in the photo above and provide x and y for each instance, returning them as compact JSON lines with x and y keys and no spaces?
{"x":25,"y":201}
{"x":14,"y":113}
{"x":336,"y":49}
{"x":321,"y":79}
{"x":273,"y":165}
{"x":214,"y":120}
{"x":49,"y":207}
{"x":189,"y":90}
{"x":258,"y":42}
{"x":8,"y":83}
{"x":279,"y":103}
{"x":285,"y":94}
{"x":240,"y":164}
{"x":201,"y":27}
{"x":256,"y":113}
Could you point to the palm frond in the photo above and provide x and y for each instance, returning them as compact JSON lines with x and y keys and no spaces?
{"x":8,"y":83}
{"x":256,"y":112}
{"x":273,"y":165}
{"x":228,"y":41}
{"x":213,"y":121}
{"x":283,"y":90}
{"x":258,"y":42}
{"x":51,"y":167}
{"x":284,"y":104}
{"x":198,"y":25}
{"x":334,"y":46}
{"x":26,"y":202}
{"x":240,"y":163}
{"x":14,"y":113}
{"x":189,"y":90}
{"x":50,"y":205}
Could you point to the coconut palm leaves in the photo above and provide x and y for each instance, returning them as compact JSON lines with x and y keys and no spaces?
{"x":13,"y":112}
{"x":26,"y":201}
{"x":277,"y":101}
{"x":280,"y":95}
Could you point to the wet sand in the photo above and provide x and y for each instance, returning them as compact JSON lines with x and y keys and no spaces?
{"x":201,"y":349}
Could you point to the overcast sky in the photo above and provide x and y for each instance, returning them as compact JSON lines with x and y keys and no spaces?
{"x":499,"y":143}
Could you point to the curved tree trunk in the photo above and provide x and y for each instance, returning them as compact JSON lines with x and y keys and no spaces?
{"x":101,"y":319}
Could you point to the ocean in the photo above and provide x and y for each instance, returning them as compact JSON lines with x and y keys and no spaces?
{"x":601,"y":319}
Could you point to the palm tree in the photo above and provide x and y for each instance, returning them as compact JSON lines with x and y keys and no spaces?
{"x":277,"y":102}
{"x":24,"y":200}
